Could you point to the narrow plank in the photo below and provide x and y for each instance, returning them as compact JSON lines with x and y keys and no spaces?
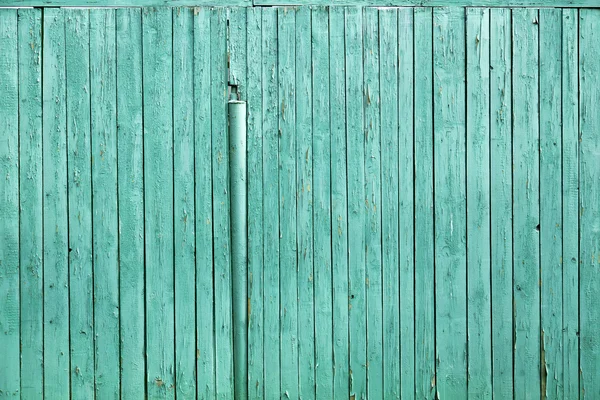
{"x":425,"y":383}
{"x":501,"y":202}
{"x":270,"y":225}
{"x":30,"y":201}
{"x":220,"y":189}
{"x":390,"y":197}
{"x":570,"y":202}
{"x":185,"y":242}
{"x":372,"y":227}
{"x":81,"y":313}
{"x":205,"y":307}
{"x":339,"y":203}
{"x":256,"y":381}
{"x":158,"y":198}
{"x":479,"y":319}
{"x":104,"y":191}
{"x":551,"y":260}
{"x":589,"y":175}
{"x":130,"y":181}
{"x":450,"y":208}
{"x":55,"y":209}
{"x":406,"y":210}
{"x":237,"y":48}
{"x":321,"y":191}
{"x":526,"y":291}
{"x":304,"y":212}
{"x":9,"y":205}
{"x":288,"y":282}
{"x":357,"y":211}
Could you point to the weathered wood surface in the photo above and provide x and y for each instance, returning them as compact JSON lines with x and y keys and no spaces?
{"x":422,"y":198}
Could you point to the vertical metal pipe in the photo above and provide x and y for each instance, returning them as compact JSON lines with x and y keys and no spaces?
{"x":239,"y":252}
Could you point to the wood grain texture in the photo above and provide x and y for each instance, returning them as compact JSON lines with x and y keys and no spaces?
{"x":30,"y":201}
{"x":158,"y":198}
{"x":526,"y":290}
{"x":9,"y":205}
{"x":501,"y":201}
{"x":81,"y":313}
{"x":589,"y":175}
{"x":425,"y":378}
{"x":130,"y":181}
{"x":321,"y":198}
{"x":55,"y":208}
{"x":479,"y":318}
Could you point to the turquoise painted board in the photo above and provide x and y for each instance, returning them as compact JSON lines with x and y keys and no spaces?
{"x":421,"y":202}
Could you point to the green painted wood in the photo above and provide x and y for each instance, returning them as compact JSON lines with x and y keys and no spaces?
{"x":321,"y":198}
{"x":304,"y":204}
{"x":270,"y":224}
{"x":205,"y":306}
{"x":288,"y":279}
{"x":479,"y":318}
{"x":502,"y":207}
{"x":372,"y":227}
{"x":589,"y":174}
{"x":551,"y":261}
{"x":130,"y":181}
{"x":501,"y":202}
{"x":425,"y":378}
{"x":449,"y":202}
{"x":406,"y":207}
{"x":104,"y":191}
{"x":237,"y":48}
{"x":256,"y":334}
{"x":357,"y":199}
{"x":339,"y":204}
{"x":185,"y":242}
{"x":158,"y":200}
{"x":9,"y":205}
{"x":30,"y":201}
{"x":526,"y":291}
{"x":570,"y":202}
{"x":55,"y":209}
{"x":390,"y":198}
{"x":220,"y":190}
{"x":81,"y":313}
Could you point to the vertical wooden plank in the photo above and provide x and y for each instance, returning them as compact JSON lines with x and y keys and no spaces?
{"x":570,"y":202}
{"x":339,"y":203}
{"x":81,"y":313}
{"x":406,"y":210}
{"x":9,"y":204}
{"x":205,"y":274}
{"x":104,"y":191}
{"x":237,"y":48}
{"x":390,"y":197}
{"x":357,"y":210}
{"x":372,"y":225}
{"x":526,"y":227}
{"x":288,"y":287}
{"x":55,"y":209}
{"x":183,"y":160}
{"x":271,"y":203}
{"x":551,"y":261}
{"x":589,"y":176}
{"x":501,"y":202}
{"x":220,"y":189}
{"x":130,"y":183}
{"x":304,"y":213}
{"x":425,"y":382}
{"x":30,"y":200}
{"x":479,"y":319}
{"x":256,"y":381}
{"x":450,"y":208}
{"x":321,"y":164}
{"x":158,"y":197}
